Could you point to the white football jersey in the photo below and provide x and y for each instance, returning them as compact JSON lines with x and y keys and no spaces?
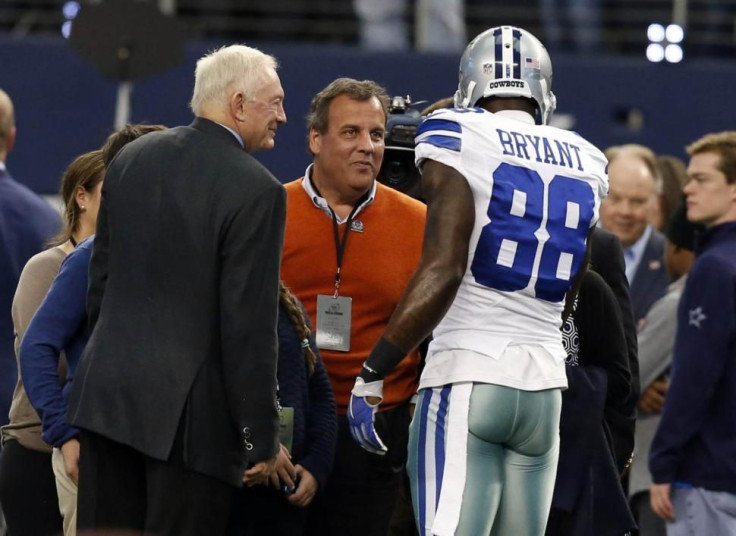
{"x":537,"y":191}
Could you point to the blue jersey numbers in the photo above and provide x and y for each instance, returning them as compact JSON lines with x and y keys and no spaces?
{"x":534,"y":235}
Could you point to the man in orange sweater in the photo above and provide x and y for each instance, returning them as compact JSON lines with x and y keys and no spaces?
{"x":351,"y":246}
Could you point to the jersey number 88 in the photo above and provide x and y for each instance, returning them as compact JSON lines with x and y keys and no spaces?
{"x":535,"y":241}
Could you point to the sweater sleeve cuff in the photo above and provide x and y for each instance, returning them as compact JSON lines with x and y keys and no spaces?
{"x":317,"y":468}
{"x":662,"y":471}
{"x":68,"y":432}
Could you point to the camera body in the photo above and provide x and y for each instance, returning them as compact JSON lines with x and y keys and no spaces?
{"x":398,"y":170}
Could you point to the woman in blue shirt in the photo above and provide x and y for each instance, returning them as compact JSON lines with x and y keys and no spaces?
{"x":59,"y":326}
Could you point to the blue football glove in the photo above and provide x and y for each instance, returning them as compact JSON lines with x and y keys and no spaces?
{"x":362,"y":415}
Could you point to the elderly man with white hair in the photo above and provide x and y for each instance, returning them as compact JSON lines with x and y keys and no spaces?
{"x":175,"y":394}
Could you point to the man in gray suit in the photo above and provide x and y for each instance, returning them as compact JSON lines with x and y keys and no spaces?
{"x":628,"y":212}
{"x":176,"y":392}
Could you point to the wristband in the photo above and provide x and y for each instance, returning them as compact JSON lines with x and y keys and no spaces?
{"x":384,"y":357}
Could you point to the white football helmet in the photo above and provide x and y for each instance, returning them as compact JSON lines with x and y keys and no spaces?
{"x":507,"y":62}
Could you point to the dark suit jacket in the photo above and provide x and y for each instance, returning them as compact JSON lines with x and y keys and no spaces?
{"x":183,"y":302}
{"x":27,"y":222}
{"x":607,"y":259}
{"x":651,"y":278}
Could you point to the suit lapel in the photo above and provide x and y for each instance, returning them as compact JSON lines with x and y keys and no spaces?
{"x":646,"y":279}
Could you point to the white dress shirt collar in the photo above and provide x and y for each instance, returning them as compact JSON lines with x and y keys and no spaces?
{"x":237,"y":136}
{"x":321,"y":203}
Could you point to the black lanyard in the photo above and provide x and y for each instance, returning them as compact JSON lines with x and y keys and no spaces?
{"x":340,"y":244}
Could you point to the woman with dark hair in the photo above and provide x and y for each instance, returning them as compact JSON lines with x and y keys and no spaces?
{"x":27,"y":487}
{"x":58,"y":328}
{"x":308,"y":434}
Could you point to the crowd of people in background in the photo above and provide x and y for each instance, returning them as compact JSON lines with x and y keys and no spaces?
{"x":544,"y":343}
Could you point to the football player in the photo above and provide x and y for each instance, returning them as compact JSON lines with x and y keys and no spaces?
{"x":511,"y":202}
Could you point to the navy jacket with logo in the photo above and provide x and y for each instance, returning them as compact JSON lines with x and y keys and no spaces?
{"x":695,"y":443}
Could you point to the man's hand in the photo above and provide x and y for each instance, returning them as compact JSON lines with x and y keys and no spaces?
{"x":306,"y":490}
{"x":261,"y":472}
{"x":364,"y":401}
{"x":70,"y":453}
{"x":285,"y":473}
{"x":659,"y":497}
{"x":652,"y":399}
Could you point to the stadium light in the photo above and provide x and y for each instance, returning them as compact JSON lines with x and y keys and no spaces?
{"x":674,"y":33}
{"x":70,"y":10}
{"x":66,"y":29}
{"x":673,"y":53}
{"x":656,"y":32}
{"x":665,"y":43}
{"x":655,"y":52}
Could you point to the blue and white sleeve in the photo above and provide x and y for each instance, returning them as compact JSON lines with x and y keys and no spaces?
{"x":440,"y":138}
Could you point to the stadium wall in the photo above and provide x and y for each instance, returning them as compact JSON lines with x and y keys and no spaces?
{"x":64,"y":107}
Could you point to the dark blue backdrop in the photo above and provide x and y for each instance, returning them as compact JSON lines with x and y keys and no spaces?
{"x":64,"y":107}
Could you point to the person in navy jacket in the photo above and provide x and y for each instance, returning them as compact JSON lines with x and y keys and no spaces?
{"x":309,"y":442}
{"x":27,"y":223}
{"x":60,"y":324}
{"x":693,"y":456}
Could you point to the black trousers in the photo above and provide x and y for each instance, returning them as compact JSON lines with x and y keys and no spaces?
{"x":122,"y":491}
{"x":264,"y":511}
{"x":361,"y":492}
{"x":28,"y":491}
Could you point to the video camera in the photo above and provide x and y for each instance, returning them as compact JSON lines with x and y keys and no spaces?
{"x":398,"y":170}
